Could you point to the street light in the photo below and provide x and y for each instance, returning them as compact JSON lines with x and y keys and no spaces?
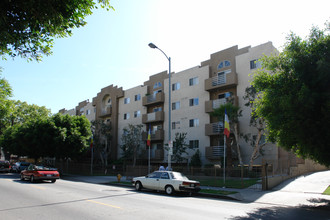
{"x":153,"y":46}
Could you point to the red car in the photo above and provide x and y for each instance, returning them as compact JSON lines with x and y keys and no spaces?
{"x":35,"y":173}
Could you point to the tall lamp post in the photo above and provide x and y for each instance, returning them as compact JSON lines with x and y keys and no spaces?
{"x":153,"y":46}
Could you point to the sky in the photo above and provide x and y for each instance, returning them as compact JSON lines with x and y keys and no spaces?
{"x":112,"y":49}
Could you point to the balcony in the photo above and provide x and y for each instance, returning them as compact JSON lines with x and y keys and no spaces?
{"x":157,"y":155}
{"x":155,"y":135}
{"x":214,"y":104}
{"x":153,"y":99}
{"x":221,"y":82}
{"x":153,"y":117}
{"x":214,"y":128}
{"x":214,"y":152}
{"x":107,"y":111}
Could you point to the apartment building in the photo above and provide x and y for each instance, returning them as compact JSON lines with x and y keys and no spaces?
{"x":195,"y":92}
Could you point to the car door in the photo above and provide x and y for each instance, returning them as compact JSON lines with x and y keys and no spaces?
{"x":152,"y":181}
{"x":164,"y":180}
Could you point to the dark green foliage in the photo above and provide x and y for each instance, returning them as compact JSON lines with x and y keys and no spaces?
{"x":60,"y":136}
{"x":28,"y":28}
{"x":294,"y":95}
{"x":196,"y":159}
{"x":179,"y":147}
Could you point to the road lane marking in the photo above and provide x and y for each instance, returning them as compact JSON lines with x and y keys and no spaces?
{"x":101,"y":203}
{"x":38,"y":187}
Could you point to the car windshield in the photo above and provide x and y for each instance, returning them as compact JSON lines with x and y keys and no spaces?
{"x":43,"y":168}
{"x":178,"y":176}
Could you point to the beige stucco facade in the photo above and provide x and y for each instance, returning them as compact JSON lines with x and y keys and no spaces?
{"x":195,"y":93}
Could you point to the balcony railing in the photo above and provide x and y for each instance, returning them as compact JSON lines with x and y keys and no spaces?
{"x":214,"y":104}
{"x":158,"y":154}
{"x":153,"y":117}
{"x":221,"y":81}
{"x":107,"y":111}
{"x":155,"y":135}
{"x":214,"y":152}
{"x":214,"y":128}
{"x":153,"y":99}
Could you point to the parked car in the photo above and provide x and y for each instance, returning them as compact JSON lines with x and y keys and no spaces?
{"x":40,"y":173}
{"x":4,"y":166}
{"x":168,"y":181}
{"x":20,"y":166}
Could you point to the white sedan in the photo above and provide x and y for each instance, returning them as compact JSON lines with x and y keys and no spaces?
{"x":167,"y":181}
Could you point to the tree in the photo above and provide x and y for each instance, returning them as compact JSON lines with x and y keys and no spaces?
{"x":60,"y":136}
{"x":196,"y":159}
{"x":101,"y":140}
{"x":233,"y":113}
{"x":294,"y":95}
{"x":28,"y":28}
{"x":179,"y":147}
{"x":257,"y":141}
{"x":132,"y":142}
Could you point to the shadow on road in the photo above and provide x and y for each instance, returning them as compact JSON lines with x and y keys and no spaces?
{"x":320,"y":210}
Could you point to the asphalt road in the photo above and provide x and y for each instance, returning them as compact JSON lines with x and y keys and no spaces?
{"x":77,"y":200}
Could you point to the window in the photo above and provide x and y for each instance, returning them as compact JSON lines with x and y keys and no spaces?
{"x":193,"y":81}
{"x":225,"y":95}
{"x":157,"y":91}
{"x":254,"y":64}
{"x":193,"y":102}
{"x":127,"y":100}
{"x":88,"y":112}
{"x":137,"y":97}
{"x":193,"y":123}
{"x":175,"y":125}
{"x":175,"y":86}
{"x":175,"y":105}
{"x":194,"y":144}
{"x":157,"y":85}
{"x":126,"y":116}
{"x":158,"y":109}
{"x":137,"y":114}
{"x":223,"y":64}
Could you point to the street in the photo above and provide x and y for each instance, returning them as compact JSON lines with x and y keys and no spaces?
{"x":78,"y":200}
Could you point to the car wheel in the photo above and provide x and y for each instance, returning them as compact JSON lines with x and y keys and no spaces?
{"x":138,"y":186}
{"x":53,"y":181}
{"x":32,"y":179}
{"x":22,"y":177}
{"x":169,"y":190}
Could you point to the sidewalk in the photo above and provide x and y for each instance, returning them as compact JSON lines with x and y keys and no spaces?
{"x":304,"y":190}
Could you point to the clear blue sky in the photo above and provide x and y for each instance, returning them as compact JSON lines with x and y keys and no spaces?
{"x":113,"y":47}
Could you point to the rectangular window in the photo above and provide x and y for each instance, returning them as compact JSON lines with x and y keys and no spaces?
{"x":137,"y":97}
{"x":193,"y":102}
{"x":193,"y":122}
{"x":88,"y":112}
{"x":127,"y":100}
{"x":254,"y":64}
{"x":137,"y":114}
{"x":175,"y":125}
{"x":193,"y":81}
{"x":194,"y":144}
{"x":126,"y":116}
{"x":175,"y":86}
{"x":175,"y":105}
{"x":158,"y":109}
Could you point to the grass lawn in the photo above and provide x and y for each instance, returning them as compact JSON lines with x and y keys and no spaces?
{"x":230,"y":183}
{"x":327,"y":191}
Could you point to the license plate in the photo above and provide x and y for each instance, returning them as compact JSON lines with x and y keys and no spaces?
{"x":49,"y":175}
{"x":192,"y":185}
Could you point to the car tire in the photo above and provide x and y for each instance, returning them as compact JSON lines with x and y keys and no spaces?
{"x":22,"y":177}
{"x":138,"y":186}
{"x":169,"y":190}
{"x":32,"y":179}
{"x":53,"y":181}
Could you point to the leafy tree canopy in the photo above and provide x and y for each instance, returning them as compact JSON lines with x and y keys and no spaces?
{"x":28,"y":28}
{"x":294,"y":95}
